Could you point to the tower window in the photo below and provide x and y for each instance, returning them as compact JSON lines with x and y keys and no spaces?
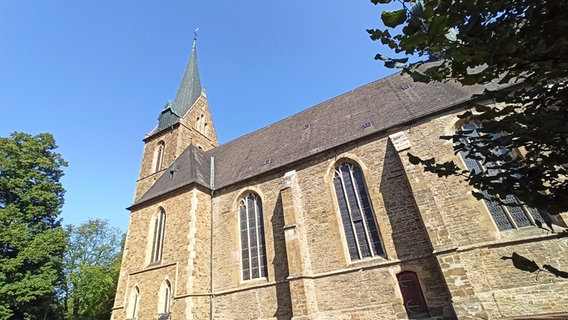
{"x":359,"y":225}
{"x":253,"y":253}
{"x":507,"y":212}
{"x":158,"y":236}
{"x":159,"y":156}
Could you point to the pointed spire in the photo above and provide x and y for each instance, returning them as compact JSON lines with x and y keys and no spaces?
{"x":190,"y":86}
{"x":188,"y":92}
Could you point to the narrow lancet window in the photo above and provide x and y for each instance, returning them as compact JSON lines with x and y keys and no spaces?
{"x":253,"y":253}
{"x":159,"y":156}
{"x":158,"y":236}
{"x":359,"y":225}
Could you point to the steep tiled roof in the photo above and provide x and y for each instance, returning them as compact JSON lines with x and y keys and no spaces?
{"x":375,"y":107}
{"x":372,"y":108}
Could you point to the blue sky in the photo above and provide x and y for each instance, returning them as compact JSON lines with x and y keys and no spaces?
{"x":95,"y":74}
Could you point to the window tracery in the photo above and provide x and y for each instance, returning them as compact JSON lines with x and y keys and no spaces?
{"x":507,"y":212}
{"x":359,"y":225}
{"x":253,"y":252}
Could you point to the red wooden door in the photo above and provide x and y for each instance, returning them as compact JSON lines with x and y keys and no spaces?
{"x":414,"y":301}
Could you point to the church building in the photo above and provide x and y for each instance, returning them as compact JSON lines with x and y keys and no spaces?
{"x":322,"y":216}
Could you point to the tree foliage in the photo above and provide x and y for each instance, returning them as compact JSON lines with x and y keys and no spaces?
{"x":92,"y":265}
{"x":520,"y":46}
{"x":31,"y":238}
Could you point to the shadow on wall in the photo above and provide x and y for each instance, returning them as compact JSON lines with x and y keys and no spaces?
{"x":408,"y":231}
{"x":411,"y":241}
{"x":280,"y":263}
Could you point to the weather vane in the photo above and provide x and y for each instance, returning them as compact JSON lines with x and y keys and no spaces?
{"x":195,"y":34}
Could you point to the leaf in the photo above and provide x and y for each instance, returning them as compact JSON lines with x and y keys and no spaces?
{"x":438,"y":25}
{"x":473,"y":23}
{"x":469,"y":80}
{"x":381,"y":57}
{"x":413,"y":41}
{"x":417,"y":9}
{"x":380,"y":1}
{"x":394,"y":64}
{"x":413,"y":26}
{"x":419,"y":77}
{"x":393,"y":18}
{"x":401,"y":60}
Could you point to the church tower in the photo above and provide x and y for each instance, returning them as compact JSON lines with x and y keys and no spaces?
{"x":183,"y":122}
{"x":165,"y":269}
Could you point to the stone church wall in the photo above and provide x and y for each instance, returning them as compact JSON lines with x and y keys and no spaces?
{"x":148,"y":175}
{"x":468,"y":244}
{"x":332,"y":286}
{"x":185,"y":258}
{"x":268,"y":296}
{"x":428,"y":225}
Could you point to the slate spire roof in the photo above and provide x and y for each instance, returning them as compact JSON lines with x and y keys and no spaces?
{"x":190,"y":86}
{"x":188,"y":92}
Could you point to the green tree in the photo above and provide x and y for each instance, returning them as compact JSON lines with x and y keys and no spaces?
{"x":31,"y":238}
{"x":519,"y":45}
{"x":92,"y":266}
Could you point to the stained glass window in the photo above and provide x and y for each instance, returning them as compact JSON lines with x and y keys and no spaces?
{"x":359,"y":225}
{"x":507,"y":212}
{"x":253,"y":253}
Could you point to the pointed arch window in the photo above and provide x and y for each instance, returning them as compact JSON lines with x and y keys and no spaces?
{"x":507,"y":212}
{"x":159,"y":156}
{"x":253,"y":252}
{"x":414,"y":302}
{"x":165,"y":300}
{"x":158,"y":236}
{"x":359,"y":225}
{"x":133,"y":304}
